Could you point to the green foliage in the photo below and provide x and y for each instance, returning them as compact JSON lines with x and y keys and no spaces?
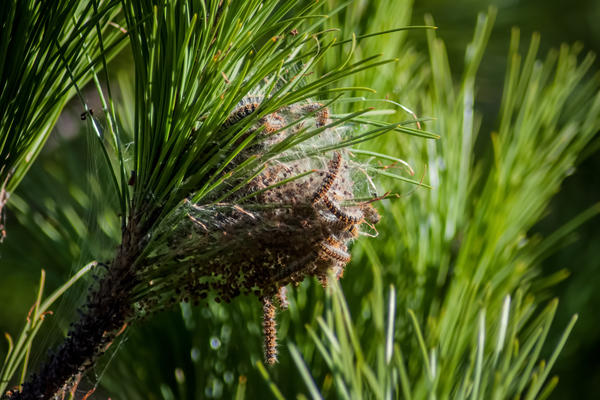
{"x":46,"y":48}
{"x":499,"y":364}
{"x":19,"y":351}
{"x":464,"y":245}
{"x":448,"y":302}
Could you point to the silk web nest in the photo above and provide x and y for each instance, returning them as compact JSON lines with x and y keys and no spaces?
{"x":294,"y":218}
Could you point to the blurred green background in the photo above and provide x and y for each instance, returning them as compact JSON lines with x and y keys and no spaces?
{"x":578,"y":368}
{"x":558,"y":22}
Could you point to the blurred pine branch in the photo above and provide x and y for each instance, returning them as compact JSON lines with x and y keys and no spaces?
{"x":46,"y":48}
{"x":464,"y":250}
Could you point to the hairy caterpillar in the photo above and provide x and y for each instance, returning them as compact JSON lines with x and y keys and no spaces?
{"x":322,"y":113}
{"x":273,"y":122}
{"x":353,"y":230}
{"x":334,"y":168}
{"x":246,"y":107}
{"x":340,"y":214}
{"x":335,"y":252}
{"x":370,"y":213}
{"x":322,"y":118}
{"x":282,"y":297}
{"x":269,"y":331}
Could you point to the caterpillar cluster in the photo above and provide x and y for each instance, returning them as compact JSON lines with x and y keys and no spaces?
{"x":293,"y":219}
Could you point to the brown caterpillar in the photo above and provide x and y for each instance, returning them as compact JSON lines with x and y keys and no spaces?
{"x":340,"y":214}
{"x":339,"y":271}
{"x":334,"y":242}
{"x":269,"y":331}
{"x":273,"y":122}
{"x":370,"y":213}
{"x":322,"y":118}
{"x":353,"y":231}
{"x":335,"y":252}
{"x":334,"y":169}
{"x":246,"y":107}
{"x":282,"y":297}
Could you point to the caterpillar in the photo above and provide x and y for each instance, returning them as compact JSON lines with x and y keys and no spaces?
{"x":353,"y":230}
{"x":334,"y":242}
{"x":269,"y":331}
{"x":334,"y":169}
{"x":244,"y":108}
{"x":273,"y":122}
{"x":370,"y":213}
{"x":322,"y":118}
{"x":340,"y":214}
{"x":282,"y":297}
{"x":335,"y":252}
{"x":339,"y":271}
{"x":322,"y":113}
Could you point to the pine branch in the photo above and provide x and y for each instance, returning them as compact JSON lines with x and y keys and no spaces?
{"x":220,"y":114}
